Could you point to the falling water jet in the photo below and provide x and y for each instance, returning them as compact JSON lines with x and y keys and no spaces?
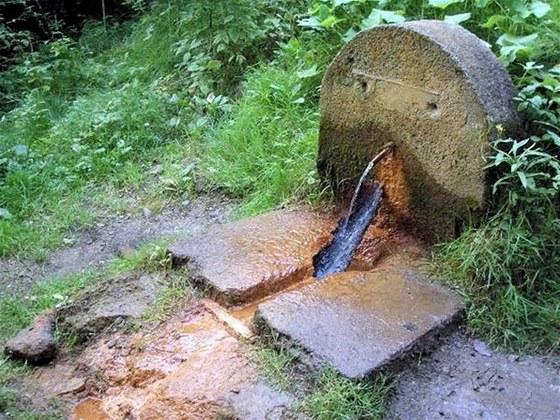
{"x":336,"y":256}
{"x":389,"y":147}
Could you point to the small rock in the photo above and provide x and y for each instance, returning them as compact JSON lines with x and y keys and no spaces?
{"x":147,"y":212}
{"x":125,"y":251}
{"x":482,"y":348}
{"x":513,"y":358}
{"x":72,"y":386}
{"x":36,"y":343}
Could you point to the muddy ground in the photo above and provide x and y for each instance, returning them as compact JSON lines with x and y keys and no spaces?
{"x":462,"y":379}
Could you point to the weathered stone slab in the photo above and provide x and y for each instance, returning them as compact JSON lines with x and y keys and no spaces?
{"x":438,"y":93}
{"x":246,"y":260}
{"x":359,"y":322}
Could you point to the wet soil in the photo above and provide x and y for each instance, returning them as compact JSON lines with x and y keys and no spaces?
{"x":111,"y":235}
{"x":464,"y":379}
{"x":190,"y":367}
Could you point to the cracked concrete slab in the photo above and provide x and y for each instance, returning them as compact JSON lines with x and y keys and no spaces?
{"x":359,"y":322}
{"x":246,"y":260}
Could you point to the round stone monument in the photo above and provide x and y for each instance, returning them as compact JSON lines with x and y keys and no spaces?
{"x":436,"y":92}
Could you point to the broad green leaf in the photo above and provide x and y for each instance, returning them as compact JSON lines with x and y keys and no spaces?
{"x":350,"y":33}
{"x":511,"y":46}
{"x":330,"y":21}
{"x":443,"y":4}
{"x":214,"y":65}
{"x":522,"y":10}
{"x":493,"y":21}
{"x":523,"y":179}
{"x":554,"y":137}
{"x":555,"y":69}
{"x":377,"y":17}
{"x":539,"y":8}
{"x":311,"y":22}
{"x":307,"y":73}
{"x":337,"y":3}
{"x":457,"y":19}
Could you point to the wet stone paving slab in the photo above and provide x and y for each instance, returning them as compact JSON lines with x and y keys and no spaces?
{"x":359,"y":322}
{"x":247,"y":260}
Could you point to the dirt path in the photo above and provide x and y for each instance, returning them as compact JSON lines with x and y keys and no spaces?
{"x":464,"y":379}
{"x":109,"y":236}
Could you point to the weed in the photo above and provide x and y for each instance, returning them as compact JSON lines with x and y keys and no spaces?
{"x":276,"y":365}
{"x":149,"y":257}
{"x":175,"y":294}
{"x":337,"y":397}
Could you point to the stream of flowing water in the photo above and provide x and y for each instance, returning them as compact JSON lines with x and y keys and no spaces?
{"x":337,"y":256}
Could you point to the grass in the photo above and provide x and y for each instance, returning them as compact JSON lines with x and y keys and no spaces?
{"x":266,"y":150}
{"x":335,"y":397}
{"x":276,"y":365}
{"x":17,"y":312}
{"x":144,"y":108}
{"x":507,"y":273}
{"x":329,"y":396}
{"x":91,"y":114}
{"x":175,"y":294}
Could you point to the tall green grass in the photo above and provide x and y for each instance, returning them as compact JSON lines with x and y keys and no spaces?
{"x":95,"y":114}
{"x":266,"y":150}
{"x":507,"y":271}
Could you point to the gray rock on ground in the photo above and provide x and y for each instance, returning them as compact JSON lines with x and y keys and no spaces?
{"x":36,"y":343}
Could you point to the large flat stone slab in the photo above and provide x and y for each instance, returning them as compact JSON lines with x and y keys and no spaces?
{"x":246,"y":260}
{"x":359,"y":322}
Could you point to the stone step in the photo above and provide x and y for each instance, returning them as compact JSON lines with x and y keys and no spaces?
{"x":359,"y":322}
{"x":244,"y":261}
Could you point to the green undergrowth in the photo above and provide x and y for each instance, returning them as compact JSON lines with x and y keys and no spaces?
{"x":508,"y":274}
{"x":506,"y":266}
{"x":325,"y":395}
{"x":100,"y":112}
{"x":335,"y":397}
{"x":276,"y":365}
{"x":175,"y":294}
{"x":227,"y":93}
{"x":266,"y":150}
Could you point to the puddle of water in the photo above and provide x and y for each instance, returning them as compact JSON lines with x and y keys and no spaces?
{"x":89,"y":409}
